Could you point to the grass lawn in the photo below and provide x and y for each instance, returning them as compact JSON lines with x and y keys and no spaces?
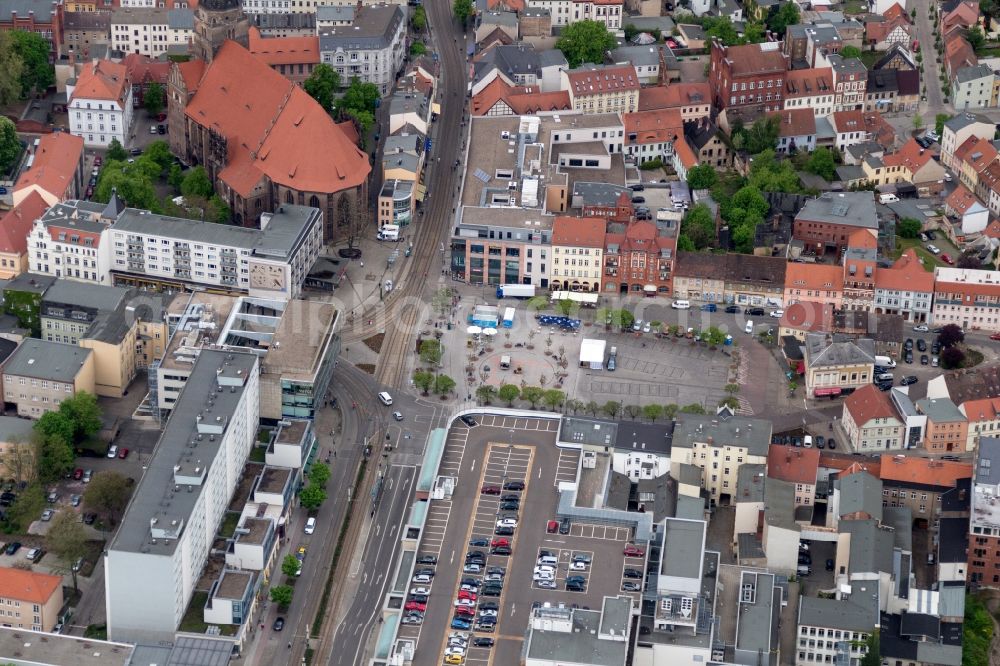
{"x":257,"y":454}
{"x":855,"y":7}
{"x":194,"y":619}
{"x":870,"y":57}
{"x":229,"y":523}
{"x":930,"y":261}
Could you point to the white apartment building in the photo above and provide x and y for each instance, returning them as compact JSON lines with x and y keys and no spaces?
{"x":972,"y":87}
{"x":564,"y":12}
{"x":370,"y":49}
{"x":156,"y":558}
{"x":834,"y":631}
{"x":967,"y":297}
{"x":151,"y":31}
{"x":100,"y":104}
{"x":71,"y":241}
{"x":169,"y":252}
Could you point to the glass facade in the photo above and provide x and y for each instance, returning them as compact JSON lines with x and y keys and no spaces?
{"x":299,"y":398}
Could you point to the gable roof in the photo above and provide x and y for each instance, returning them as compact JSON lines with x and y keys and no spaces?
{"x":823,"y":350}
{"x":795,"y":122}
{"x":579,"y":231}
{"x":273,"y":128}
{"x":673,"y":95}
{"x":27,"y":585}
{"x":102,"y":80}
{"x":961,"y":200}
{"x":896,"y":11}
{"x":896,"y":51}
{"x":56,"y":160}
{"x":907,"y":274}
{"x":15,"y":225}
{"x":923,"y":471}
{"x":662,"y":125}
{"x":748,"y":59}
{"x":591,"y":79}
{"x":912,"y":156}
{"x":290,"y":50}
{"x":868,"y":403}
{"x":521,"y":99}
{"x":793,"y":464}
{"x":813,"y":277}
{"x":809,"y":82}
{"x":860,"y":492}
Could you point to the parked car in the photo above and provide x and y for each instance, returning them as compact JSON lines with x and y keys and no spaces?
{"x":632,"y":550}
{"x":113,"y":451}
{"x":629,"y":586}
{"x":482,"y":543}
{"x":279,"y":624}
{"x":468,"y":420}
{"x":47,"y":515}
{"x":946,"y":258}
{"x":732,"y":309}
{"x":490,"y":490}
{"x":632,"y":573}
{"x":564,"y":526}
{"x":514,"y":485}
{"x":12,"y":547}
{"x":427,"y":559}
{"x":908,"y":380}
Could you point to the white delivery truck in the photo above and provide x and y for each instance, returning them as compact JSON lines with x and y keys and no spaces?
{"x":884,"y":362}
{"x":389,"y":232}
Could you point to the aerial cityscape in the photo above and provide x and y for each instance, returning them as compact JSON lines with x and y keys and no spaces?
{"x":500,"y":332}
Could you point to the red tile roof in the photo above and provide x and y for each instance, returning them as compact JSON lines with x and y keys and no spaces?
{"x":907,"y":274}
{"x":809,"y":82}
{"x":960,"y":200}
{"x":521,"y":99}
{"x":808,"y":316}
{"x":862,"y":239}
{"x":15,"y":225}
{"x":845,"y":462}
{"x":793,"y":464}
{"x":815,"y":277}
{"x":911,"y":156}
{"x":847,"y":121}
{"x":879,"y":128}
{"x":869,"y":403}
{"x":103,"y":80}
{"x":686,"y":154}
{"x":922,"y":471}
{"x":284,"y":50}
{"x":141,"y":69}
{"x":273,"y":128}
{"x":896,"y":11}
{"x":653,"y":126}
{"x":602,"y":80}
{"x":579,"y":231}
{"x":795,"y":122}
{"x":992,"y":229}
{"x":673,"y":95}
{"x":56,"y":161}
{"x":985,"y":409}
{"x":751,"y":59}
{"x":30,"y":586}
{"x":192,"y":71}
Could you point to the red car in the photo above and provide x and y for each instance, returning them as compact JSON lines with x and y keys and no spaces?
{"x":946,"y":259}
{"x":464,"y":610}
{"x":123,"y":454}
{"x":160,"y":117}
{"x":995,"y":336}
{"x":78,"y":473}
{"x":491,"y":490}
{"x":500,"y":542}
{"x":552,"y":527}
{"x":465,"y":594}
{"x":414,"y":606}
{"x":98,"y":161}
{"x":634,"y":551}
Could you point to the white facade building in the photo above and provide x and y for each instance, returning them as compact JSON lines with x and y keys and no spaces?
{"x":270,"y":262}
{"x":151,"y":32}
{"x":71,"y":240}
{"x":156,"y":558}
{"x":370,"y":49}
{"x":972,"y":87}
{"x":100,"y":104}
{"x":967,"y":297}
{"x":564,"y":12}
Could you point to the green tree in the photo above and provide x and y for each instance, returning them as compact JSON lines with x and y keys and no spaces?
{"x":585,"y":41}
{"x":196,"y":183}
{"x":702,"y":177}
{"x":10,"y":145}
{"x":423,"y":380}
{"x":84,"y":413}
{"x":282,"y":595}
{"x":443,"y":384}
{"x":553,"y":398}
{"x":37,"y":72}
{"x":873,"y":650}
{"x":670,"y":410}
{"x":652,"y":412}
{"x":312,"y":497}
{"x":56,"y":425}
{"x":107,"y":494}
{"x":486,"y":393}
{"x":768,"y":174}
{"x":359,"y":96}
{"x":977,"y":40}
{"x":612,"y":408}
{"x":319,"y":474}
{"x":532,"y":394}
{"x":175,"y":177}
{"x":218,"y":211}
{"x":159,"y":153}
{"x":731,"y":402}
{"x":939,"y":121}
{"x":850,"y":52}
{"x":762,"y":135}
{"x":909,"y":227}
{"x":786,"y":15}
{"x":721,"y":28}
{"x":290,"y":565}
{"x":977,"y":633}
{"x":462,"y":9}
{"x":27,"y":507}
{"x":431,"y":352}
{"x":116,"y":152}
{"x":685,"y":244}
{"x":418,"y":49}
{"x":509,"y":393}
{"x":693,"y":408}
{"x":131,"y":184}
{"x":154,"y":99}
{"x":11,"y":68}
{"x":592,"y":407}
{"x":419,"y":18}
{"x":566,"y":307}
{"x":55,"y":458}
{"x":731,"y":389}
{"x":699,"y":226}
{"x":322,"y":84}
{"x":822,"y":164}
{"x":67,"y":538}
{"x":918,"y":121}
{"x":364,"y":119}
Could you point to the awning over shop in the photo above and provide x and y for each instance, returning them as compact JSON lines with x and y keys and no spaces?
{"x":421,"y":192}
{"x":649,"y":287}
{"x":832,"y":390}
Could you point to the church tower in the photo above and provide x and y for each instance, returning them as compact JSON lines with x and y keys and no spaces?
{"x":215,"y":21}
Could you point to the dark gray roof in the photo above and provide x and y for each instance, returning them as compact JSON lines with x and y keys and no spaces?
{"x":779,"y":504}
{"x":953,"y":540}
{"x":156,"y":490}
{"x":900,"y":519}
{"x":13,"y":428}
{"x":958,"y":121}
{"x":585,"y":643}
{"x":517,"y":59}
{"x":683,"y":546}
{"x":837,"y":614}
{"x":373,"y":29}
{"x":966,"y":74}
{"x":920,"y":625}
{"x":847,"y":65}
{"x":618,"y":492}
{"x":335,"y":13}
{"x":593,"y":432}
{"x":42,"y":9}
{"x":180,"y":19}
{"x":506,"y":19}
{"x":750,"y":483}
{"x":823,"y":351}
{"x":87,"y":21}
{"x":282,"y":235}
{"x":750,"y":546}
{"x":597,"y":194}
{"x":108,"y":327}
{"x":882,"y":81}
{"x":33,"y":283}
{"x":42,"y":359}
{"x":871,"y":546}
{"x":98,"y":297}
{"x":860,"y":492}
{"x":847,"y":208}
{"x":640,"y":56}
{"x":290,"y":21}
{"x":644,"y":437}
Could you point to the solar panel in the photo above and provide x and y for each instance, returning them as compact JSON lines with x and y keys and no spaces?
{"x":482,"y":175}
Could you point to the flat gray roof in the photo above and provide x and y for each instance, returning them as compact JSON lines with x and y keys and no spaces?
{"x":860,"y":492}
{"x":109,"y":327}
{"x":279,"y":238}
{"x":856,"y":209}
{"x":840,"y":614}
{"x":34,"y":283}
{"x":758,"y":617}
{"x":750,"y":483}
{"x":42,"y":359}
{"x":940,"y":410}
{"x":871,"y":546}
{"x":14,"y":428}
{"x":582,"y":645}
{"x":99,"y":297}
{"x":683,"y":546}
{"x":779,"y":506}
{"x":82,"y":215}
{"x":725,"y":430}
{"x":373,"y":28}
{"x":157,"y":486}
{"x":22,"y":646}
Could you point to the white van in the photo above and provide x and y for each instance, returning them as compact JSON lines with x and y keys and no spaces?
{"x":389,"y":232}
{"x":385,"y":398}
{"x":749,"y":327}
{"x":807,"y":441}
{"x":505,"y":362}
{"x":681,"y":305}
{"x":884,"y":362}
{"x":548,"y":559}
{"x":310,"y":526}
{"x":887,"y":198}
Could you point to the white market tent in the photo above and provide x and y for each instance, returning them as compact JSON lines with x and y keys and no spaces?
{"x":592,"y":353}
